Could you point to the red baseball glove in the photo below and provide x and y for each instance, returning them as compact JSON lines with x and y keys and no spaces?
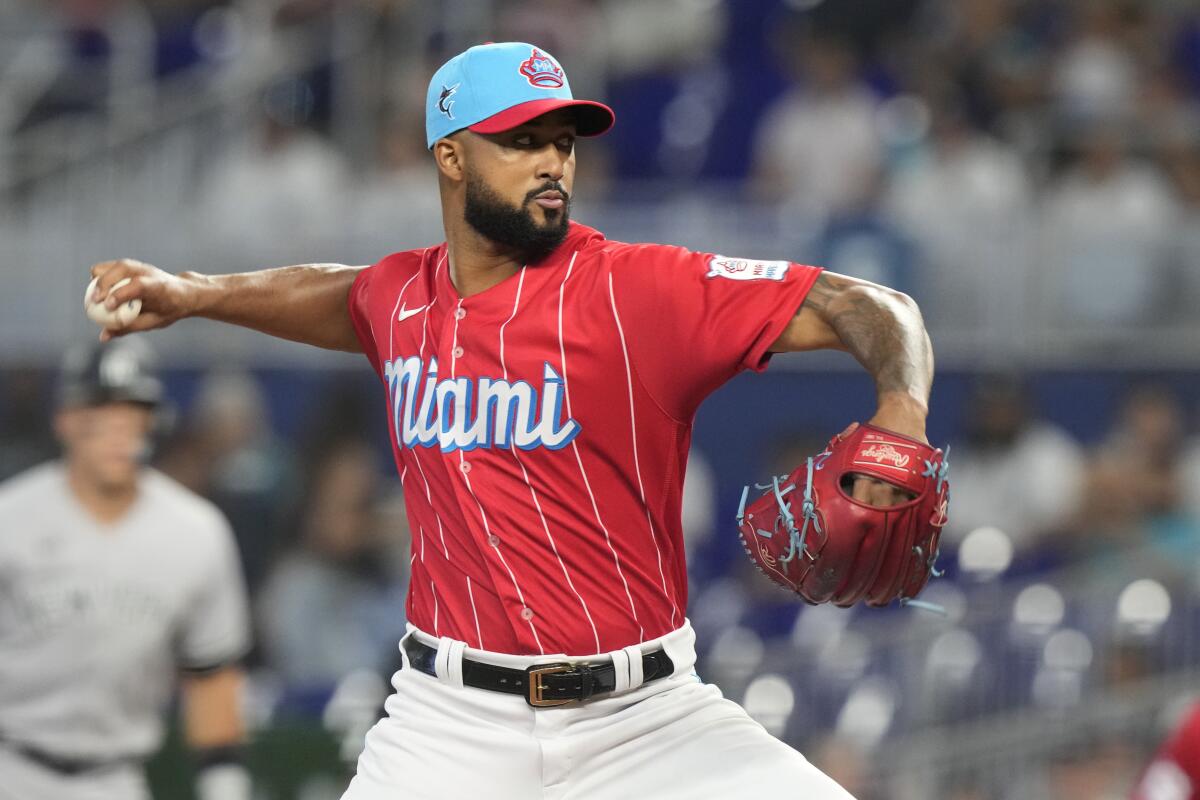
{"x":808,"y":533}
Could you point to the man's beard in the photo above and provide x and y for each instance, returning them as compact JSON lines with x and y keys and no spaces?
{"x":512,"y":227}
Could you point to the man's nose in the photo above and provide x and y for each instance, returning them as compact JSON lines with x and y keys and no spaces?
{"x":552,"y":163}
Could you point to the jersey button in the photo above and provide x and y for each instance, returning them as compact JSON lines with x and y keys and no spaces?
{"x":460,"y":313}
{"x":494,"y":540}
{"x":465,"y":467}
{"x":458,"y":352}
{"x":526,"y":613}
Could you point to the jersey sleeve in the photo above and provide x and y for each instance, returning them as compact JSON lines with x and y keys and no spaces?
{"x":358,"y":303}
{"x":216,"y":626}
{"x":692,"y":320}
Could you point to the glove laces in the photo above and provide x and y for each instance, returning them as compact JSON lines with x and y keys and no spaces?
{"x":798,"y":537}
{"x":940,"y":473}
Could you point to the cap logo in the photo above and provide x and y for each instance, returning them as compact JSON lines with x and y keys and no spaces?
{"x":541,"y":71}
{"x":444,"y":103}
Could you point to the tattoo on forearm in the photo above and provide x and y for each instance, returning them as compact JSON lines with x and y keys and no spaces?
{"x":881,"y":329}
{"x":825,"y":287}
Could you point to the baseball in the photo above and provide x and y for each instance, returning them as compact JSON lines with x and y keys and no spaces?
{"x":114,"y":320}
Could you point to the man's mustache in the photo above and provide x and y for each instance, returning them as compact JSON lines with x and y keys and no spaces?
{"x":551,"y":186}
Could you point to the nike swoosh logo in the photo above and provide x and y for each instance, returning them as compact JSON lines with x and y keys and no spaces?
{"x":405,"y":313}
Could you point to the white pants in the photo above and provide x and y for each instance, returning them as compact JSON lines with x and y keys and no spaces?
{"x":675,"y":737}
{"x":22,"y":779}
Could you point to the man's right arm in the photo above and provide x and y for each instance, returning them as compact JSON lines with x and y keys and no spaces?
{"x":305,"y":303}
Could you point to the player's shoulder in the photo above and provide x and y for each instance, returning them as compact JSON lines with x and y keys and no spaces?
{"x":405,"y":263}
{"x":614,"y":254}
{"x":184,"y":507}
{"x":37,"y":486}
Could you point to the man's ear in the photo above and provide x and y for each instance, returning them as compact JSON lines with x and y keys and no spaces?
{"x":449,"y":156}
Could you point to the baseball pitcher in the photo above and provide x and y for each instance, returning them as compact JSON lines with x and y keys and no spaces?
{"x":113,"y":578}
{"x":540,"y":384}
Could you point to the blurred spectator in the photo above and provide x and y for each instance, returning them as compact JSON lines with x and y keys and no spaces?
{"x":965,"y":200}
{"x":658,"y":37}
{"x":25,"y":437}
{"x":992,"y":55}
{"x":101,"y":51}
{"x":1096,"y":74}
{"x":869,"y":246}
{"x":1133,"y":503}
{"x":336,"y":603}
{"x":1145,"y":448}
{"x":1012,"y":471}
{"x":1105,"y":229}
{"x":1175,"y":120}
{"x":278,"y":192}
{"x":228,"y":452}
{"x":818,"y":146}
{"x":1110,"y":519}
{"x":399,"y":197}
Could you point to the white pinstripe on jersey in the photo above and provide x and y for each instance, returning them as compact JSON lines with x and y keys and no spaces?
{"x":525,"y":474}
{"x":471,"y":594}
{"x":404,"y":472}
{"x":637,"y":468}
{"x":414,"y":451}
{"x":562,"y":351}
{"x":487,"y":530}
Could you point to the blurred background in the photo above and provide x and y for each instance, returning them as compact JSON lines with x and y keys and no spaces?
{"x":1029,"y":170}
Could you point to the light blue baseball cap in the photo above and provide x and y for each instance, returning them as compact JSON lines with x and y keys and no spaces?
{"x":493,"y":87}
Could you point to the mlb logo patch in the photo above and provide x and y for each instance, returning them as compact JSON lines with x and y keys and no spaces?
{"x":744,"y":269}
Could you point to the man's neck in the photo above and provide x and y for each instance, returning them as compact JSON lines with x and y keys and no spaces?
{"x":103,"y":504}
{"x":477,"y":263}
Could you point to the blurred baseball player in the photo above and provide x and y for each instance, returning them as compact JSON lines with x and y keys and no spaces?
{"x":112,"y":577}
{"x":1174,"y":774}
{"x":541,"y":384}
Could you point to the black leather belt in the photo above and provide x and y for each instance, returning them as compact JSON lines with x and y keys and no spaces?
{"x":541,"y":684}
{"x":65,"y":765}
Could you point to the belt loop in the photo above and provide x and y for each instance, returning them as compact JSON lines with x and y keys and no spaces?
{"x":454,"y":663}
{"x":405,"y":661}
{"x":634,"y":654}
{"x":620,"y":661}
{"x":448,"y":662}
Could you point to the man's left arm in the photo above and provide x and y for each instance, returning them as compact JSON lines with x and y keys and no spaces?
{"x":215,"y":733}
{"x":883,"y":329}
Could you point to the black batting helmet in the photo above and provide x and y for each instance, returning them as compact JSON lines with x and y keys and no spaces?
{"x":119,"y":371}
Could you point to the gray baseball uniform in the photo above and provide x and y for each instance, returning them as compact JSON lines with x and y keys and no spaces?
{"x":94,"y":621}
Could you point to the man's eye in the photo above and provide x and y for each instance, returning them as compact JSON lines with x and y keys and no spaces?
{"x":523,"y":141}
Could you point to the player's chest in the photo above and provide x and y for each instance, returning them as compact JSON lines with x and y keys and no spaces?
{"x":59,"y":577}
{"x":531,"y":373}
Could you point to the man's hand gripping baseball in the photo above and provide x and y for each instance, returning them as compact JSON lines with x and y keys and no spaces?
{"x":305,"y":303}
{"x":165,"y":297}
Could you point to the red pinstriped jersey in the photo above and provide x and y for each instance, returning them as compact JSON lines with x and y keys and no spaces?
{"x":541,"y":429}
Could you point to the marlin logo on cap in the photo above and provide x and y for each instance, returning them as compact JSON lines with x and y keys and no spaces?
{"x":541,"y":71}
{"x":447,"y":92}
